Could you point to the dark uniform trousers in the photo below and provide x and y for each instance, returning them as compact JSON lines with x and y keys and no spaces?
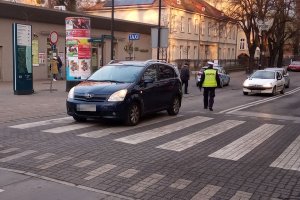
{"x":209,"y":95}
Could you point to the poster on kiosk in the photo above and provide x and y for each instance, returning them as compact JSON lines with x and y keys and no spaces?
{"x":78,"y":50}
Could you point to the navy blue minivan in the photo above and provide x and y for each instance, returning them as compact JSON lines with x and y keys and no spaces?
{"x":127,"y":90}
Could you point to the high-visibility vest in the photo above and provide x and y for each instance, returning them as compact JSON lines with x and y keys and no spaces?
{"x":210,"y":78}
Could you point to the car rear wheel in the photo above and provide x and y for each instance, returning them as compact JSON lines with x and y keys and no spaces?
{"x":133,"y":115}
{"x":245,"y":93}
{"x":79,"y":119}
{"x":288,"y":85}
{"x":283,"y":90}
{"x":221,"y":84}
{"x":174,"y":109}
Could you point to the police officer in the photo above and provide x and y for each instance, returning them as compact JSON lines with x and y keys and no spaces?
{"x":209,"y":81}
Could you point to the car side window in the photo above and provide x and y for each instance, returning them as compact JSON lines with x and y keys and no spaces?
{"x":165,"y":72}
{"x":278,"y":75}
{"x":150,"y":73}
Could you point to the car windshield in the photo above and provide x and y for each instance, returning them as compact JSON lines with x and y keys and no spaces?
{"x":117,"y":73}
{"x":264,"y":75}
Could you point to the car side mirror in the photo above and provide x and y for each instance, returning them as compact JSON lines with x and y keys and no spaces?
{"x":149,"y":80}
{"x":279,"y":78}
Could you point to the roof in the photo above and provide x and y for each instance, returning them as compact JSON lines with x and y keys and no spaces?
{"x":196,"y":6}
{"x":29,"y":13}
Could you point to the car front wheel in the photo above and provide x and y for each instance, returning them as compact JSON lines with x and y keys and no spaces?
{"x":79,"y":119}
{"x":245,"y":93}
{"x":133,"y":115}
{"x":174,"y":108}
{"x":274,"y":91}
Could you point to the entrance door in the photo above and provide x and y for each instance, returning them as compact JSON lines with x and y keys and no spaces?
{"x":1,"y":64}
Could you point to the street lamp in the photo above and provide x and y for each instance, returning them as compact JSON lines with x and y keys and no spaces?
{"x":112,"y":29}
{"x":159,"y":27}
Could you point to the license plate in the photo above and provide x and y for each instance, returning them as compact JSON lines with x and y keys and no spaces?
{"x":86,"y":107}
{"x":256,"y":91}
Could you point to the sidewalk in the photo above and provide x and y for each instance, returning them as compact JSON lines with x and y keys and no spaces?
{"x":41,"y":103}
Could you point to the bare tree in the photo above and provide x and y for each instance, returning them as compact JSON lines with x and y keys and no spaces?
{"x":246,"y":13}
{"x":284,"y":28}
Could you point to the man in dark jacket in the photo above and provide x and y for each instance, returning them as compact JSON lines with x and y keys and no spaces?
{"x":185,"y":77}
{"x":209,"y":81}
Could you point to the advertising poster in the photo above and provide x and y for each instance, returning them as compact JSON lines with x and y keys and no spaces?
{"x":78,"y":54}
{"x":84,"y":48}
{"x":35,"y":52}
{"x":42,"y":58}
{"x":85,"y":68}
{"x":72,"y":48}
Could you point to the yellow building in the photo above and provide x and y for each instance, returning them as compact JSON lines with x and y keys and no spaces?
{"x":197,"y":30}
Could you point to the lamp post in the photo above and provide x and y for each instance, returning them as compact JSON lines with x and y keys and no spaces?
{"x":112,"y":29}
{"x":158,"y":32}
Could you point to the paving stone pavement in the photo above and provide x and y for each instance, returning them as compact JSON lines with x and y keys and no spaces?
{"x":109,"y":159}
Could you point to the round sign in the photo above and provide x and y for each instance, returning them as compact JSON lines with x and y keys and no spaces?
{"x":53,"y":37}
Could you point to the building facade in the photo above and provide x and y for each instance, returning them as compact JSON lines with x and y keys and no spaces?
{"x":197,"y":30}
{"x":43,"y":21}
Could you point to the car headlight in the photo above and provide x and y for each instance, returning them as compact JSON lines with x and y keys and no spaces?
{"x":268,"y":85}
{"x":118,"y":96}
{"x":246,"y":84}
{"x":71,"y":93}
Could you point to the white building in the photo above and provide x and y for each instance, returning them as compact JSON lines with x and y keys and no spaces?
{"x":197,"y":30}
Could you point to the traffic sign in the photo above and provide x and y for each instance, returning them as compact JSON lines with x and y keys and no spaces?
{"x":53,"y":37}
{"x":134,"y":36}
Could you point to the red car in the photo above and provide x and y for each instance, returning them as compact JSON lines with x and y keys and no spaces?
{"x":294,"y":66}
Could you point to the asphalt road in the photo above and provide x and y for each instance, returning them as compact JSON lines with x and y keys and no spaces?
{"x":247,"y":148}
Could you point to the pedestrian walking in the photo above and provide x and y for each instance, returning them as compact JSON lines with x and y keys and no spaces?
{"x":185,"y":77}
{"x":60,"y":64}
{"x":209,"y":81}
{"x":54,"y":68}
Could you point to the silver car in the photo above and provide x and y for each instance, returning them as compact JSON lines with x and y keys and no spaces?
{"x":284,"y":73}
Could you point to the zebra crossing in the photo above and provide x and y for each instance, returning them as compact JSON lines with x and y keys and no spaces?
{"x":237,"y":149}
{"x":206,"y":192}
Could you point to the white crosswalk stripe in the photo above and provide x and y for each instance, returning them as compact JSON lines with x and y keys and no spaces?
{"x":247,"y":143}
{"x":16,"y":156}
{"x":99,"y":171}
{"x":290,"y":158}
{"x":43,"y":123}
{"x":206,"y":193}
{"x":200,"y":136}
{"x":108,"y":131}
{"x":67,"y":128}
{"x":161,"y":131}
{"x":9,"y":150}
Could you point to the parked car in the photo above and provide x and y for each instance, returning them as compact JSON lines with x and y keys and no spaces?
{"x":224,"y":76}
{"x":294,"y":66}
{"x":285,"y":74}
{"x":127,"y":90}
{"x":265,"y":82}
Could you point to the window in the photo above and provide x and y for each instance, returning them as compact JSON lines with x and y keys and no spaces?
{"x":182,"y":24}
{"x":165,"y":72}
{"x":209,"y":28}
{"x":195,"y":52}
{"x":180,"y":52}
{"x":228,"y":53}
{"x":242,"y":44}
{"x":202,"y":27}
{"x":196,"y":26}
{"x":188,"y":51}
{"x":150,"y":73}
{"x":189,"y":25}
{"x":233,"y":32}
{"x":173,"y":23}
